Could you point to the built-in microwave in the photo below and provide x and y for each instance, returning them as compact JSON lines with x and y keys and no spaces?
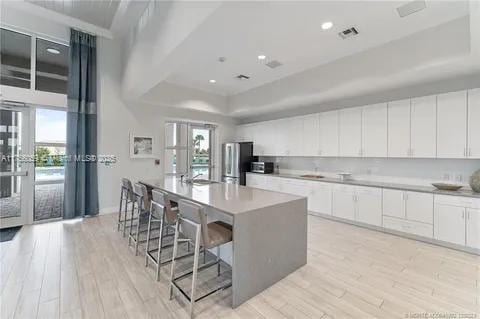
{"x":262,"y":167}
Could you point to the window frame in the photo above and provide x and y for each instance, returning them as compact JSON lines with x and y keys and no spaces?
{"x":33,"y":52}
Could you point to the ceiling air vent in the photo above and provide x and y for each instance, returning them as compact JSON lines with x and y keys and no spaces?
{"x":411,"y":7}
{"x":350,"y":32}
{"x":273,"y":64}
{"x":242,"y":77}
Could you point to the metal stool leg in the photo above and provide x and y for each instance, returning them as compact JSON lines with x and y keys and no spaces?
{"x":195,"y":271}
{"x":148,"y":238}
{"x":160,"y":245}
{"x":137,"y":235}
{"x":120,"y":211}
{"x":218,"y":260}
{"x":125,"y":218}
{"x":174,"y":256}
{"x":131,"y":224}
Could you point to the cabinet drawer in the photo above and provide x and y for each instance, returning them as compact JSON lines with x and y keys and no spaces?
{"x":406,"y":226}
{"x":461,"y":201}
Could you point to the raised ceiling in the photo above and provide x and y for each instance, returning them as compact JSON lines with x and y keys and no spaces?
{"x":99,"y":13}
{"x":291,"y":33}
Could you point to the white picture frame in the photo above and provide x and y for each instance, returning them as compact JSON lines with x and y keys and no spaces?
{"x":141,"y":146}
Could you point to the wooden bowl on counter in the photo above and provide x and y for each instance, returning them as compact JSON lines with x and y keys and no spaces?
{"x":447,"y":186}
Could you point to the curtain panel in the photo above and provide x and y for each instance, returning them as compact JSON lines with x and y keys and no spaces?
{"x":81,"y":187}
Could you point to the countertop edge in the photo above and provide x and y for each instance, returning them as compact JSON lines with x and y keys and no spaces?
{"x":405,"y":187}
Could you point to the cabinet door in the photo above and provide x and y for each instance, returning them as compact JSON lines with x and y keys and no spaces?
{"x":256,"y":131}
{"x":473,"y":123}
{"x":344,"y":202}
{"x":328,"y":133}
{"x":452,"y":125}
{"x":374,"y":130}
{"x":293,"y":128}
{"x":253,"y":180}
{"x":399,"y":128}
{"x":419,"y":207}
{"x":394,"y":203}
{"x":350,"y":132}
{"x":473,"y":228}
{"x":424,"y":127}
{"x":267,"y":130}
{"x":310,"y":137}
{"x":449,"y":224}
{"x":320,"y":199}
{"x":369,"y":205}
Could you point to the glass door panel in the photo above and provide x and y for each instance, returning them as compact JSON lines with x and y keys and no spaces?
{"x":15,"y":184}
{"x":201,"y":159}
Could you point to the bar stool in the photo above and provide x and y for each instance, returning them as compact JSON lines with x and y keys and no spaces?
{"x":192,"y":224}
{"x":126,"y":197}
{"x":142,"y":203}
{"x":161,"y":211}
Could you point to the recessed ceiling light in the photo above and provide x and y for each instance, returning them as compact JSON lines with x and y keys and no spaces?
{"x":212,"y":81}
{"x":261,"y":57}
{"x":53,"y":51}
{"x":327,"y":25}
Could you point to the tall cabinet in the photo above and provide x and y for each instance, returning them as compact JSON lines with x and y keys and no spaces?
{"x":473,"y":123}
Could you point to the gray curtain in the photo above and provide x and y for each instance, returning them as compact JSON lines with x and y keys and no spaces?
{"x":81,"y":189}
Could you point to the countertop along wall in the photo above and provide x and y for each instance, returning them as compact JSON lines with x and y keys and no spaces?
{"x":406,"y":171}
{"x":117,"y":119}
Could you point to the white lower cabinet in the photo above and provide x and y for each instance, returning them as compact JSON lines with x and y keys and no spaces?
{"x":411,"y":206}
{"x":473,"y":228}
{"x":344,"y":201}
{"x":457,"y":220}
{"x":369,"y":205}
{"x":320,"y":198}
{"x":362,"y":204}
{"x":407,"y":226}
{"x":450,"y":223}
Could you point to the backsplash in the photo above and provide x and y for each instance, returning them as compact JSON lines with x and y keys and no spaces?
{"x":403,"y":170}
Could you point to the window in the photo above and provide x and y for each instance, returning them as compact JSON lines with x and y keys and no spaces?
{"x":189,"y":149}
{"x":51,"y":72}
{"x":15,"y":56}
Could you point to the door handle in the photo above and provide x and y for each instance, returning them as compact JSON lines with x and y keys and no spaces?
{"x":8,"y":174}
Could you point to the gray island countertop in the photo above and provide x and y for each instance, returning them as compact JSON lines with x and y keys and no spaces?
{"x":229,"y":198}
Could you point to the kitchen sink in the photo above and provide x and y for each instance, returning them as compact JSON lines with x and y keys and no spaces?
{"x":203,"y":182}
{"x":312,"y":176}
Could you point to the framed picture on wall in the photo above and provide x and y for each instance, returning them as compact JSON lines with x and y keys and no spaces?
{"x":141,"y":146}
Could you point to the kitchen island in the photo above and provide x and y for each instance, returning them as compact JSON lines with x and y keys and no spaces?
{"x":269,"y":230}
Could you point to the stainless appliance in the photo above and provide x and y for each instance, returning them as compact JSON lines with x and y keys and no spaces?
{"x":236,"y":159}
{"x":262,"y":167}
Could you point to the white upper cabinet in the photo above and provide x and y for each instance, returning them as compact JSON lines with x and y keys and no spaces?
{"x":350,"y":132}
{"x":452,"y":125}
{"x":399,"y":128}
{"x":473,"y":123}
{"x":424,"y":127}
{"x":374,"y":130}
{"x":328,"y":133}
{"x":310,"y":137}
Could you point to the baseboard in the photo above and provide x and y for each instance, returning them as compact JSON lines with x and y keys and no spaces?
{"x":108,"y":210}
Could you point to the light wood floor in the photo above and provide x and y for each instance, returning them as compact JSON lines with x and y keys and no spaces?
{"x":84,"y":269}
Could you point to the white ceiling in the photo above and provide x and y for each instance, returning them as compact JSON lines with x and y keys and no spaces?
{"x":291,"y":33}
{"x":99,"y":13}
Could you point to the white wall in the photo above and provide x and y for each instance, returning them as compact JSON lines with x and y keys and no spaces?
{"x":116,"y":120}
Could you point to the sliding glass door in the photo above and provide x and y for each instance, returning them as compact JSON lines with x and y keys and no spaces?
{"x":16,"y":167}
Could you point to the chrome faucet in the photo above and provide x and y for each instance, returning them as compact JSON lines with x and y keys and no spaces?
{"x":189,"y":180}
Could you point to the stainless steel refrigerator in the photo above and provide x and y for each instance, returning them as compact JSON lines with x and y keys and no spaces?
{"x":236,"y":159}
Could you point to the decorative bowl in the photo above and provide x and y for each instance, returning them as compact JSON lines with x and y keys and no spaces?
{"x":475,"y":181}
{"x":447,"y":187}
